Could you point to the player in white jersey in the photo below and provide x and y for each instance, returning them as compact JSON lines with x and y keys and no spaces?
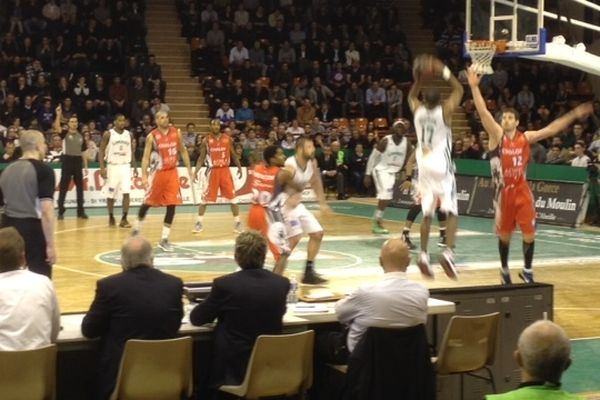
{"x":385,"y":162}
{"x":117,"y":151}
{"x":297,"y":218}
{"x":436,"y":170}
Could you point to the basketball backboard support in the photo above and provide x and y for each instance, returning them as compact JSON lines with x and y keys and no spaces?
{"x":521,"y":24}
{"x":518,"y":22}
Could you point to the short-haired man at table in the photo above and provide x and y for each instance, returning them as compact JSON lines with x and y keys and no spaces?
{"x":29,"y":314}
{"x":139,"y":303}
{"x":394,"y":302}
{"x":543,"y":353}
{"x":246,"y":304}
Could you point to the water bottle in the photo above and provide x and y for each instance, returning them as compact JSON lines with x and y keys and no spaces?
{"x":293,"y":293}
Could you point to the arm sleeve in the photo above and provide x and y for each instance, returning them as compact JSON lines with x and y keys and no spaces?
{"x":97,"y":320}
{"x":46,"y":180}
{"x":374,"y":159}
{"x":209,"y":309}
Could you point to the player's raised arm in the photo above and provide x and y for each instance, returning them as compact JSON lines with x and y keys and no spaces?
{"x":415,"y":89}
{"x":493,"y":128}
{"x":456,"y":94}
{"x":559,"y":124}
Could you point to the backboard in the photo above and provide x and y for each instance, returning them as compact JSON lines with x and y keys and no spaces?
{"x":518,"y":22}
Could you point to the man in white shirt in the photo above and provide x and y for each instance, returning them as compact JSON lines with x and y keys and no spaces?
{"x":238,"y":54}
{"x":581,"y":159}
{"x":394,"y":302}
{"x":29,"y":314}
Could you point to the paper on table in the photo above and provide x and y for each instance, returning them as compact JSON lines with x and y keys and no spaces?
{"x":301,"y":308}
{"x":320,"y":295}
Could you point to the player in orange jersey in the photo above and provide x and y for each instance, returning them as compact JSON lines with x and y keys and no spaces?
{"x":267,"y":184}
{"x":163,"y":147}
{"x":509,"y":156}
{"x":217,"y":148}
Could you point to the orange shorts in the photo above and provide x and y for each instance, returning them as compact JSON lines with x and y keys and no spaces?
{"x":273,"y":231}
{"x":164,"y":189}
{"x":515,"y":207}
{"x":219,"y":178}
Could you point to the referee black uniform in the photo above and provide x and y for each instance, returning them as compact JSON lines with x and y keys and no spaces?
{"x":72,"y":167}
{"x":22,"y":185}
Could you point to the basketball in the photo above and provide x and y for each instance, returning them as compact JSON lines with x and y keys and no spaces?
{"x":423,"y":66}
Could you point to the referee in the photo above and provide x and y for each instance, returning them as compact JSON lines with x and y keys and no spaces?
{"x":73,"y":161}
{"x":26,"y":192}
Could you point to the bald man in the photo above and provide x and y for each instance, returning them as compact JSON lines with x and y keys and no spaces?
{"x":393,"y":302}
{"x":543,"y":354}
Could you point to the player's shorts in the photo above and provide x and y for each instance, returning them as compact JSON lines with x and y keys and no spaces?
{"x":219,"y":178}
{"x":384,"y":183}
{"x":164,"y":189}
{"x":299,"y":220}
{"x":270,"y":223}
{"x":436,"y":186}
{"x":118,"y":180}
{"x":515,"y":207}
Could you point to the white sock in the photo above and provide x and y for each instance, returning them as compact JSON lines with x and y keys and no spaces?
{"x":200,"y":218}
{"x":378,"y":214}
{"x":137,"y":225}
{"x":236,"y":219}
{"x":165,"y":232}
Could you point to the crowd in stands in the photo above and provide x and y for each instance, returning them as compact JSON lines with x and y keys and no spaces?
{"x":271,"y":72}
{"x":90,"y":57}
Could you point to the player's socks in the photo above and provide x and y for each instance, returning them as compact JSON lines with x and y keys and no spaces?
{"x":442,"y":241}
{"x":503,"y":250}
{"x":505,"y":276}
{"x":165,"y":232}
{"x":528,"y":249}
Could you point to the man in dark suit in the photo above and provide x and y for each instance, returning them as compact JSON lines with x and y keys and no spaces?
{"x":139,"y":303}
{"x":333,"y":166}
{"x":247,"y":303}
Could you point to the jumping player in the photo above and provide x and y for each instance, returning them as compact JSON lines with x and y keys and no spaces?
{"x":436,"y":170}
{"x":116,"y":150}
{"x":386,"y":160}
{"x":298,"y":219}
{"x":218,"y":149}
{"x":268,"y":181}
{"x":162,"y":189}
{"x":509,"y":156}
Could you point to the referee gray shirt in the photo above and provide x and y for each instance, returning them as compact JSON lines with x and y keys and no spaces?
{"x":22,"y":185}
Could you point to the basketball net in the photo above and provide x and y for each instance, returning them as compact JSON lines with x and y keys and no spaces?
{"x":482,"y":52}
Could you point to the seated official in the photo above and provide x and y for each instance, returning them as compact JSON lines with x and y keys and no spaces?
{"x":139,"y":303}
{"x":543,"y":354}
{"x":246,"y":304}
{"x":29,"y":314}
{"x":394,"y":302}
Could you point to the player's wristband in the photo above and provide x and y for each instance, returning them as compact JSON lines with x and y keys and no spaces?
{"x":446,"y":73}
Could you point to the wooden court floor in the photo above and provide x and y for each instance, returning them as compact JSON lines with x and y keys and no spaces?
{"x":576,"y":282}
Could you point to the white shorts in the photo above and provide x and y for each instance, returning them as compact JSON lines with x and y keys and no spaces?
{"x":384,"y":183}
{"x":118,"y":180}
{"x":299,"y":220}
{"x":436,"y":185}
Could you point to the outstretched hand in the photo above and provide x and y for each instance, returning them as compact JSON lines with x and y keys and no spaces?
{"x":473,"y":77}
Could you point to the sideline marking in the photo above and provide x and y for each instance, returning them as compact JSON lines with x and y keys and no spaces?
{"x":78,"y":271}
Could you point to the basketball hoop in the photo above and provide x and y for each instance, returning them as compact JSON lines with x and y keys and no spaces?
{"x":482,"y":52}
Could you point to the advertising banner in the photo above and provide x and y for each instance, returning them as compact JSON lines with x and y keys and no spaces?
{"x":557,"y":203}
{"x":95,"y":197}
